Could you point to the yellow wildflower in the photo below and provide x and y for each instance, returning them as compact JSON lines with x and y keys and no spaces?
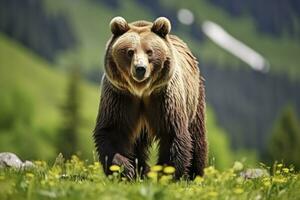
{"x":38,"y":162}
{"x":51,"y":183}
{"x":169,"y":170}
{"x":75,"y":158}
{"x":212,"y":194}
{"x":267,"y":183}
{"x":286,"y":170}
{"x":156,"y":168}
{"x":29,"y":175}
{"x":279,"y":165}
{"x":90,"y":166}
{"x":198,"y":179}
{"x":279,"y":180}
{"x":96,"y":164}
{"x":114,"y":168}
{"x":237,"y":166}
{"x":43,"y":182}
{"x":152,"y":175}
{"x":240,"y":180}
{"x":209,"y":171}
{"x":238,"y":190}
{"x":165,"y":179}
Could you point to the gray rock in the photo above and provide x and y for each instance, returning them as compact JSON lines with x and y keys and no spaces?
{"x":254,"y":173}
{"x":8,"y":159}
{"x":27,"y":164}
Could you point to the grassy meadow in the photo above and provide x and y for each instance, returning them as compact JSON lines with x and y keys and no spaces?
{"x":78,"y":179}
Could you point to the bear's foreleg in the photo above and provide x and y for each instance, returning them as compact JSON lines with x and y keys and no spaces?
{"x":113,"y":132}
{"x":141,"y":153}
{"x":112,"y":152}
{"x":175,"y":147}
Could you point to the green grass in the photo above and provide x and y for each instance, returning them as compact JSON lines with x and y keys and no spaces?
{"x":46,"y":87}
{"x":76,"y":179}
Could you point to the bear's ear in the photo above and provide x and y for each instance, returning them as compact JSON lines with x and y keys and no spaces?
{"x":118,"y":26}
{"x":161,"y":26}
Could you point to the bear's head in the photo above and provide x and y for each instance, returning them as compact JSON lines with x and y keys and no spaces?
{"x":138,"y":57}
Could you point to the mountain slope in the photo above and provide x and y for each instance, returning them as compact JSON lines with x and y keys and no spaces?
{"x":90,"y":22}
{"x":282,"y":53}
{"x":46,"y":88}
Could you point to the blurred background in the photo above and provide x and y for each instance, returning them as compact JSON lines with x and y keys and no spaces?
{"x":51,"y":63}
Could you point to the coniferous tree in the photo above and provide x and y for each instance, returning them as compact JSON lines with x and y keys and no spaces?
{"x":69,"y":130}
{"x":284,"y":144}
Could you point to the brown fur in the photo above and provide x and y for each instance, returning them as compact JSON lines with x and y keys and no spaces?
{"x":168,"y":106}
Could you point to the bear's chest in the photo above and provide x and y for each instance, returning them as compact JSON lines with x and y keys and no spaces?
{"x":148,"y":116}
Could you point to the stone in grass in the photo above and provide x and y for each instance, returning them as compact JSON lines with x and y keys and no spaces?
{"x":8,"y":159}
{"x":28,"y":164}
{"x":254,"y":173}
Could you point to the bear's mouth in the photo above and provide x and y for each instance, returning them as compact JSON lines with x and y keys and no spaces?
{"x":139,"y":87}
{"x":139,"y":76}
{"x":140,"y":81}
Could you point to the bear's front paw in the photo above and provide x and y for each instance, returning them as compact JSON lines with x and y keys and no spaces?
{"x":120,"y":160}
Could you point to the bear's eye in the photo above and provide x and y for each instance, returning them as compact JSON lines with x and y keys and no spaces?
{"x":149,"y":52}
{"x":130,"y":53}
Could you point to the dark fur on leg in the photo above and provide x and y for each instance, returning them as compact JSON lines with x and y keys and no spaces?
{"x":113,"y":132}
{"x":175,"y":140}
{"x":141,"y":153}
{"x":198,"y":132}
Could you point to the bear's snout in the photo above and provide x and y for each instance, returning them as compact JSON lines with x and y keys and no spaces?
{"x":140,"y":71}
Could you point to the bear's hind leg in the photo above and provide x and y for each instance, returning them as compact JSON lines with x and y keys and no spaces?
{"x":197,"y":131}
{"x":199,"y":158}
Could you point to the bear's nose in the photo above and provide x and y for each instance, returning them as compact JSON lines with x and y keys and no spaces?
{"x":140,"y":71}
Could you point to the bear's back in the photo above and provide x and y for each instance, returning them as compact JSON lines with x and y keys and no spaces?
{"x":184,"y":52}
{"x":189,"y":73}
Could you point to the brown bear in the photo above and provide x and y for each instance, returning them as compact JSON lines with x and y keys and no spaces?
{"x":151,"y":90}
